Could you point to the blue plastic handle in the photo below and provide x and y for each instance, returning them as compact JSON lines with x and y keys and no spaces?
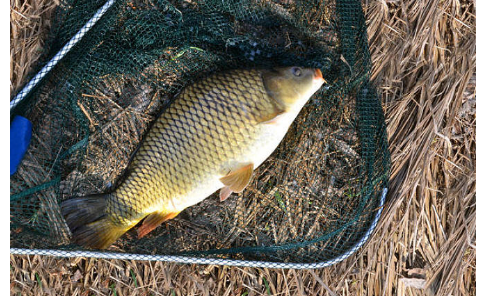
{"x":20,"y":134}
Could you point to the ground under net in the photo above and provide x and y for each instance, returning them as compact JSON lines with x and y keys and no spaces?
{"x":311,"y":201}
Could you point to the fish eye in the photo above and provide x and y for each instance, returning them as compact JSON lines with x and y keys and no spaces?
{"x":296,"y":71}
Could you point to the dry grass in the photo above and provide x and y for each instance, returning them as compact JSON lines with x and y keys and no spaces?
{"x":424,"y":59}
{"x":428,"y":88}
{"x":30,"y":22}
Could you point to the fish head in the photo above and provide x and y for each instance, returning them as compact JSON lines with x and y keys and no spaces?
{"x":292,"y":86}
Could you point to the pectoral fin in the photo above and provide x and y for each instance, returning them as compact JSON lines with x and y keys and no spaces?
{"x":152,"y":221}
{"x":238,"y":179}
{"x":270,"y":116}
{"x":224,"y":193}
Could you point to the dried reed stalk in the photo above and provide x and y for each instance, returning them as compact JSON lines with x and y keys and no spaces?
{"x":424,"y":61}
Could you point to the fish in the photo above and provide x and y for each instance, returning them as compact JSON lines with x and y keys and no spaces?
{"x":212,"y":136}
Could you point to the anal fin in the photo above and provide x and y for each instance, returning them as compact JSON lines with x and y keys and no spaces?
{"x":152,"y":221}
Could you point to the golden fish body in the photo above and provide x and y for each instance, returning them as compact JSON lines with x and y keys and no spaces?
{"x":214,"y":134}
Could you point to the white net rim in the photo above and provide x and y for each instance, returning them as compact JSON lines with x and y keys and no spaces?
{"x":211,"y":261}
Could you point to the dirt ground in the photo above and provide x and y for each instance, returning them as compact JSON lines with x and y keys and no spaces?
{"x":424,"y":60}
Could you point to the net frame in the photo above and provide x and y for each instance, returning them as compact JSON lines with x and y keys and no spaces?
{"x":212,"y":261}
{"x":181,"y":259}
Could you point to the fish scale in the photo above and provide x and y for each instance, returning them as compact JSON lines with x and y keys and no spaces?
{"x":212,"y":136}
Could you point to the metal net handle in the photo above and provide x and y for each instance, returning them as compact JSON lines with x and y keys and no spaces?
{"x":60,"y":54}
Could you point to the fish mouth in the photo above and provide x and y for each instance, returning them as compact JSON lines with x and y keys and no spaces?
{"x":318,"y":76}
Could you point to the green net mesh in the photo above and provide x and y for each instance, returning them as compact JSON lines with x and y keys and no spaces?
{"x":311,"y":201}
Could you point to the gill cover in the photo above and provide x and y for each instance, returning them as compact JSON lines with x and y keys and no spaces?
{"x":291,"y":85}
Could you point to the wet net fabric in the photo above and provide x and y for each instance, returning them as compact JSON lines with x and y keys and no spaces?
{"x":313,"y":200}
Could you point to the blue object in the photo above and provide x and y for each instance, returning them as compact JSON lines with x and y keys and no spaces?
{"x":20,"y":134}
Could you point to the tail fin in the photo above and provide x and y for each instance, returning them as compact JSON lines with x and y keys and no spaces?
{"x":88,"y":222}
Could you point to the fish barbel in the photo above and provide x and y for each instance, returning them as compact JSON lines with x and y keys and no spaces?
{"x":212,"y":136}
